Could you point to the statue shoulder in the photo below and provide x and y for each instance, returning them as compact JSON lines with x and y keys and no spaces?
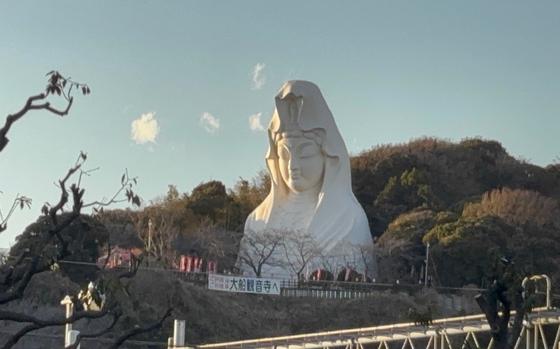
{"x":254,"y":220}
{"x":262,"y":211}
{"x":359,"y":231}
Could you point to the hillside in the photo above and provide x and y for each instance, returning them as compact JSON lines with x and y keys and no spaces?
{"x":392,"y":179}
{"x":220,"y":316}
{"x":472,"y":201}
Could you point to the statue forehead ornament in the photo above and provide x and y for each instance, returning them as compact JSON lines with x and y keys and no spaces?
{"x":289,"y":126}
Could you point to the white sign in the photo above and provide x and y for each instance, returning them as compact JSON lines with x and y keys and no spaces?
{"x":243,"y":284}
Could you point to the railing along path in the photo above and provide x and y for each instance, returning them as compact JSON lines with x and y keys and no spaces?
{"x":541,"y":330}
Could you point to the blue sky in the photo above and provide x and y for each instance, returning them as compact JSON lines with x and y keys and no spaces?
{"x":390,"y":71}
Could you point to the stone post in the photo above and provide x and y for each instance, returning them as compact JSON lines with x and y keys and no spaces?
{"x":179,"y":333}
{"x":67,"y":301}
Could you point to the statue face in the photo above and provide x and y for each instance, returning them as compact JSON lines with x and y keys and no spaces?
{"x":301,"y":163}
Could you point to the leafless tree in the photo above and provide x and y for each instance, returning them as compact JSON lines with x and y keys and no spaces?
{"x":300,"y":248}
{"x":329,"y":263}
{"x":343,"y":256}
{"x":259,"y":249}
{"x":217,"y":244}
{"x":360,"y":258}
{"x":164,"y":231}
{"x":16,"y":274}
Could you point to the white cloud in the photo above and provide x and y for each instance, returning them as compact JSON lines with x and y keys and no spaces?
{"x":144,"y":129}
{"x":209,"y":122}
{"x":258,"y":76}
{"x":255,"y":122}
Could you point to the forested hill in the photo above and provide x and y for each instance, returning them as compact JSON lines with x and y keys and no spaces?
{"x":440,"y":175}
{"x":471,"y":200}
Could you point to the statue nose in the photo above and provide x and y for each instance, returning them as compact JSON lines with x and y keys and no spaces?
{"x":294,"y":164}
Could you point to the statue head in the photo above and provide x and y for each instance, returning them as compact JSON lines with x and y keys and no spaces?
{"x":299,"y":154}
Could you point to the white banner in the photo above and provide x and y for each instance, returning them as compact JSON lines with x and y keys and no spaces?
{"x":243,"y":284}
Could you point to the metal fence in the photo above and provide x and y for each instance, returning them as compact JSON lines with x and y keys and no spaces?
{"x":320,"y":293}
{"x":339,"y":289}
{"x":312,"y":288}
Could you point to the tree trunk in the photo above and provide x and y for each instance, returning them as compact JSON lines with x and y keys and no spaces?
{"x":504,"y":337}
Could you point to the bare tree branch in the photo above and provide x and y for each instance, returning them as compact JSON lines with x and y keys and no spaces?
{"x":47,"y":106}
{"x":19,"y":334}
{"x":139,"y":330}
{"x":12,"y":118}
{"x":299,"y":249}
{"x":19,"y":200}
{"x":257,"y":250}
{"x":57,"y":321}
{"x":57,"y":84}
{"x":38,"y":323}
{"x":126,"y":185}
{"x":17,"y":291}
{"x":99,"y":333}
{"x":32,"y":267}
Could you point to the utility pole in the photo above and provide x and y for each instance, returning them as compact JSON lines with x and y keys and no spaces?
{"x":149,"y":235}
{"x":427,"y":261}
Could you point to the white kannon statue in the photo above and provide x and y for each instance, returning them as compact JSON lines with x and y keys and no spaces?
{"x":311,"y":189}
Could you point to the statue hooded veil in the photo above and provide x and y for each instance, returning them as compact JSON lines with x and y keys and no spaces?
{"x":339,"y":223}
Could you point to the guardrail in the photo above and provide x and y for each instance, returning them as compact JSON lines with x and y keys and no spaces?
{"x":404,"y":334}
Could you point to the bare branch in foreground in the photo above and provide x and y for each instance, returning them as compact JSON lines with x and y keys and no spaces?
{"x":57,"y":84}
{"x":19,"y":201}
{"x":127,"y":183}
{"x":100,"y":333}
{"x":38,"y":323}
{"x":139,"y":330}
